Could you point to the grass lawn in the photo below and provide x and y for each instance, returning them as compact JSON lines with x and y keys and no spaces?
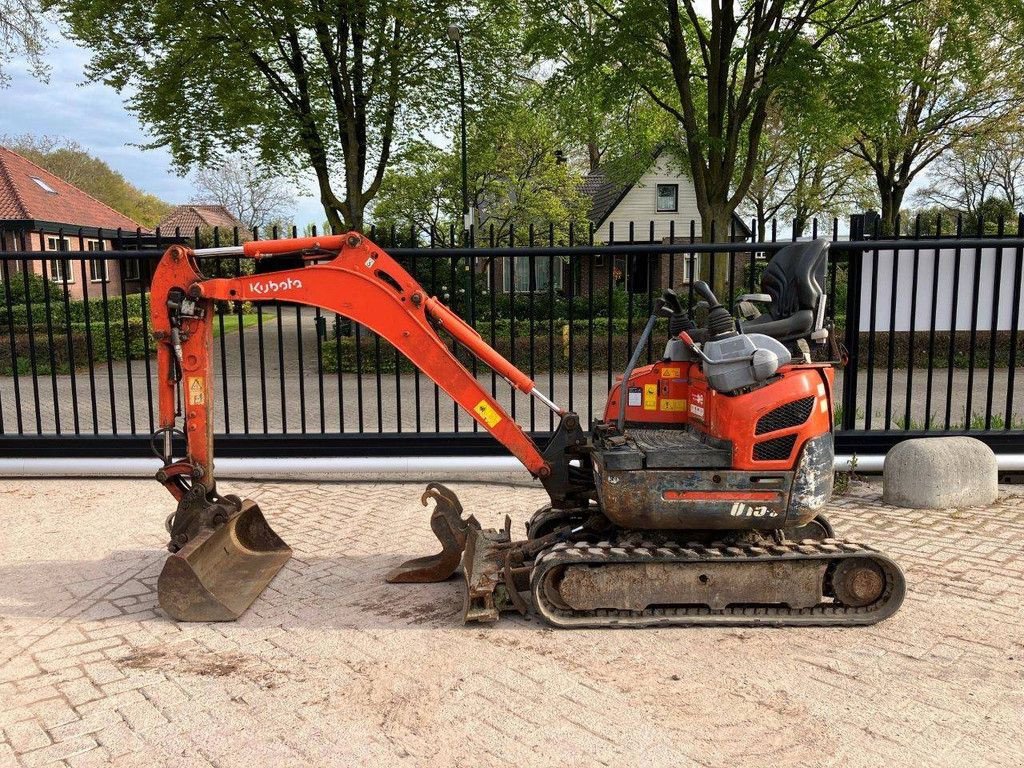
{"x":231,"y":323}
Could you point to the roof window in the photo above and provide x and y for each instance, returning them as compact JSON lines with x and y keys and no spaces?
{"x":43,"y":185}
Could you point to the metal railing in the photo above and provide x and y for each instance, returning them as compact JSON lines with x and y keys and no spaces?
{"x":931,"y":325}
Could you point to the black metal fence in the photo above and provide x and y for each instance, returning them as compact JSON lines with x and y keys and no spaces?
{"x":931,"y":324}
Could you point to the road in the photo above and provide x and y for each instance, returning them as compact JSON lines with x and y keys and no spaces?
{"x":334,"y":667}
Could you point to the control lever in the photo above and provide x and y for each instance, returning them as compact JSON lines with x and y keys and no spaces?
{"x":705,"y":292}
{"x":719,"y":323}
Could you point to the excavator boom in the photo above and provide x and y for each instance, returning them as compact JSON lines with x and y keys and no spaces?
{"x":346,"y":274}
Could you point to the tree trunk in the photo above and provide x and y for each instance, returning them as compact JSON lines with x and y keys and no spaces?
{"x":716,"y":227}
{"x":594,"y":155}
{"x":891,"y":193}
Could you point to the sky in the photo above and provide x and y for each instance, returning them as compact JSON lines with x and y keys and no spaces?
{"x":93,"y":115}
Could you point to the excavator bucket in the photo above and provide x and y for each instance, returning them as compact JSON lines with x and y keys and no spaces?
{"x":218,"y":574}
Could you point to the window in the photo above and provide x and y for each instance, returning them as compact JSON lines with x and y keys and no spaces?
{"x":97,"y":267}
{"x":691,"y":267}
{"x":131,"y":268}
{"x":43,"y":185}
{"x":544,"y":268}
{"x":668,"y":198}
{"x":60,"y":269}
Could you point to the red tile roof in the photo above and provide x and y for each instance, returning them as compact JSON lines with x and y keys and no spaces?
{"x":22,"y":196}
{"x":187,"y":217}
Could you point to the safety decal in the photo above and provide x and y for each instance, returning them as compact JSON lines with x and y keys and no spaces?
{"x":650,"y":397}
{"x":670,"y":373}
{"x":489,"y":415}
{"x":669,"y":404}
{"x":697,"y":405}
{"x":635,"y":395}
{"x":196,"y":391}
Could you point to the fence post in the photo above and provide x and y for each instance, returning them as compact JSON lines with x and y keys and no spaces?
{"x":854,"y":269}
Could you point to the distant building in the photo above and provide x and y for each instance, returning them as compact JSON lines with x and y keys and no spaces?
{"x":659,"y":205}
{"x":42,"y":212}
{"x":187,"y":219}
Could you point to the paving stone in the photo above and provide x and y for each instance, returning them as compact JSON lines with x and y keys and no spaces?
{"x":332,"y":666}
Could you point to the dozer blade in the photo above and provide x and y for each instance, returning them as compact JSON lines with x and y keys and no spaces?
{"x":451,"y":530}
{"x":218,"y":574}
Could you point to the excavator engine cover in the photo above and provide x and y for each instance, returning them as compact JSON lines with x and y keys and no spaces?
{"x":218,"y":573}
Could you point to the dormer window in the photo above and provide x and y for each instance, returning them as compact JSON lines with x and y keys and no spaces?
{"x":668,"y":198}
{"x":43,"y":185}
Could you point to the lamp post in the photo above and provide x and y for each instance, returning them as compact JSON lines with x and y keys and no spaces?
{"x":455,"y":35}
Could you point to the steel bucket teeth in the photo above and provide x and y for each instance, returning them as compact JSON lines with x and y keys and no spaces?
{"x":218,"y":574}
{"x":451,"y":530}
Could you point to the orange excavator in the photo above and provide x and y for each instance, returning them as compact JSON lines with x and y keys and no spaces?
{"x":696,"y":500}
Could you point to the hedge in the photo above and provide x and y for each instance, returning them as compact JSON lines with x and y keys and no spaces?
{"x":544,"y":353}
{"x":83,"y":340}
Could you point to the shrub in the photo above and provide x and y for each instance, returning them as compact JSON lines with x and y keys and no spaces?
{"x":76,"y":346}
{"x":14,"y":292}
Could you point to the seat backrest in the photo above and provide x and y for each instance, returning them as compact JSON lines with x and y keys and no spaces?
{"x":795,"y":279}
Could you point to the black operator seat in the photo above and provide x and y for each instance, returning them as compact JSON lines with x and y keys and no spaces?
{"x":795,"y":281}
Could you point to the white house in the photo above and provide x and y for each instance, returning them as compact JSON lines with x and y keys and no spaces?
{"x":660,"y":204}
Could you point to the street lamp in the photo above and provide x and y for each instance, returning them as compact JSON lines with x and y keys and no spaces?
{"x":455,"y":35}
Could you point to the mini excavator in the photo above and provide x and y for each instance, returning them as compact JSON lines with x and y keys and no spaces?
{"x":696,"y":500}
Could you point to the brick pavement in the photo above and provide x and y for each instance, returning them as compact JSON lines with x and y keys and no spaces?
{"x":334,"y":667}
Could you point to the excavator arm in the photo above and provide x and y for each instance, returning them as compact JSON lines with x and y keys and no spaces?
{"x":351,"y":276}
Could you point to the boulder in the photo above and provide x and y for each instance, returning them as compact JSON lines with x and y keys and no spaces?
{"x":940,"y":473}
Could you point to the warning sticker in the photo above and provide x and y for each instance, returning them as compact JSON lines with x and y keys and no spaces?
{"x":650,"y":397}
{"x":670,"y":373}
{"x":489,"y":416}
{"x":668,"y":404}
{"x":196,"y":391}
{"x":635,"y":395}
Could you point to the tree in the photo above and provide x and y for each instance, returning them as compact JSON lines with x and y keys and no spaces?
{"x":803,"y":169}
{"x":421,"y":194}
{"x":515,"y":178}
{"x":714,"y":72}
{"x":77,"y":167}
{"x":332,"y":86}
{"x":947,"y":75}
{"x":253,"y":195}
{"x":22,"y":33}
{"x":976,"y":171}
{"x":599,"y":117}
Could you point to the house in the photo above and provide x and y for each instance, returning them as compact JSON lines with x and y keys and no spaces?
{"x":659,"y":205}
{"x":188,"y":219}
{"x":41,"y":212}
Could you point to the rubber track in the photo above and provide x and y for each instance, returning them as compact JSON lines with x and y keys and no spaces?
{"x":824,"y":614}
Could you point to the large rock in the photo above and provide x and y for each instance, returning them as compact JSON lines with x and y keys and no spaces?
{"x":940,"y":473}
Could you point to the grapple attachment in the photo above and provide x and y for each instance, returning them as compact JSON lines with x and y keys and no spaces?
{"x":218,"y":573}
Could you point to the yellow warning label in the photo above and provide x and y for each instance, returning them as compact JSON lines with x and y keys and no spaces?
{"x":668,"y":404}
{"x":489,"y":415}
{"x":670,"y":373}
{"x":650,"y":397}
{"x":196,"y":390}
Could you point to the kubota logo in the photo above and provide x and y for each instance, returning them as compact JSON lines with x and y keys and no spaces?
{"x":262,"y":287}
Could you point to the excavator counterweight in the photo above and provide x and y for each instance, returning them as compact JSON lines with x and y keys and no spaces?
{"x":698,"y":498}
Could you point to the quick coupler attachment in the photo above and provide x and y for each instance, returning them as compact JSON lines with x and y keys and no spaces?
{"x":451,"y":529}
